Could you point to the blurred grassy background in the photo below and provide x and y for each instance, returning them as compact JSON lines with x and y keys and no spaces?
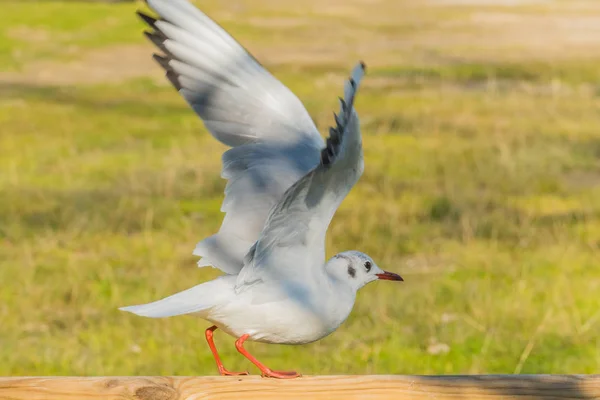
{"x":482,"y":185}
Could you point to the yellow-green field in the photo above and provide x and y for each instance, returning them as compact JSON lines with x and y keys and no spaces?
{"x":481,"y":131}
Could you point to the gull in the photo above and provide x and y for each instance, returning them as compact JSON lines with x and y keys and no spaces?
{"x":284,"y":185}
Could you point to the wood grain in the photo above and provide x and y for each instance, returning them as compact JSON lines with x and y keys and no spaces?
{"x":374,"y":387}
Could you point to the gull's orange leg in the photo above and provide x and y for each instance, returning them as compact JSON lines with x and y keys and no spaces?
{"x":266,"y":372}
{"x":211,"y":343}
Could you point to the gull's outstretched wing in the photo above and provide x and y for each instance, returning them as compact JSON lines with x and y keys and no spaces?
{"x":291,"y":246}
{"x":274,"y":141}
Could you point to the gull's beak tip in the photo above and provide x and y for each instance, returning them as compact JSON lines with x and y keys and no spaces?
{"x":389,"y":276}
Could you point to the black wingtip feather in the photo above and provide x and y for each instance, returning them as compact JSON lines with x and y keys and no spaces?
{"x":328,"y":143}
{"x":343,"y":105}
{"x":332,"y":146}
{"x":172,"y":77}
{"x":334,"y":136}
{"x":338,"y":122}
{"x":325,"y":160}
{"x":147,"y":19}
{"x":158,"y":39}
{"x":155,"y":37}
{"x":162,"y":61}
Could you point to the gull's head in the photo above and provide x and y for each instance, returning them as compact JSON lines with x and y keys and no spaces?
{"x":357,"y":269}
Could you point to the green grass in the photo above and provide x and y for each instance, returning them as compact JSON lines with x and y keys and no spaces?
{"x":482,"y":188}
{"x":44,"y":30}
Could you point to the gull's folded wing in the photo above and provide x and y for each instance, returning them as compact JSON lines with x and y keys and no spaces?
{"x":274,"y":141}
{"x":291,"y":246}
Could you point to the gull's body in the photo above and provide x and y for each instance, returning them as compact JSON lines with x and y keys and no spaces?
{"x":266,"y":312}
{"x":284,"y":186}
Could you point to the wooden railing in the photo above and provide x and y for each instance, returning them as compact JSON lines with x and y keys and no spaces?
{"x":346,"y":387}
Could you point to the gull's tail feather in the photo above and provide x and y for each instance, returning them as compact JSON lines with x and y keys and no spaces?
{"x":198,"y":299}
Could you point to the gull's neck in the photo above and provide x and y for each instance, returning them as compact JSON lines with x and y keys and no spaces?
{"x":339,"y":298}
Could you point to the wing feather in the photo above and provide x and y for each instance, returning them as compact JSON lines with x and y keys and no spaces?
{"x":274,"y":141}
{"x":292,"y":243}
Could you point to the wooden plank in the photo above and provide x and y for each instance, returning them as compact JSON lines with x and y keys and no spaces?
{"x":348,"y":387}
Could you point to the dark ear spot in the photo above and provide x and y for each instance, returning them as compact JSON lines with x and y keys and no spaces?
{"x":351,"y":271}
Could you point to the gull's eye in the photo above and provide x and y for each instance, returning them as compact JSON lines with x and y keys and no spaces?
{"x":368,"y":266}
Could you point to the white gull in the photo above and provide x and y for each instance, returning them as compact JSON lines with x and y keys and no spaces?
{"x":284,"y":185}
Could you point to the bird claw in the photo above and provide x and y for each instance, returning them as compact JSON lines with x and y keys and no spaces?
{"x":280,"y":374}
{"x":224,"y":372}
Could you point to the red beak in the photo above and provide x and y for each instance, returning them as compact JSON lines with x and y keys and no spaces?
{"x":389,"y":276}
